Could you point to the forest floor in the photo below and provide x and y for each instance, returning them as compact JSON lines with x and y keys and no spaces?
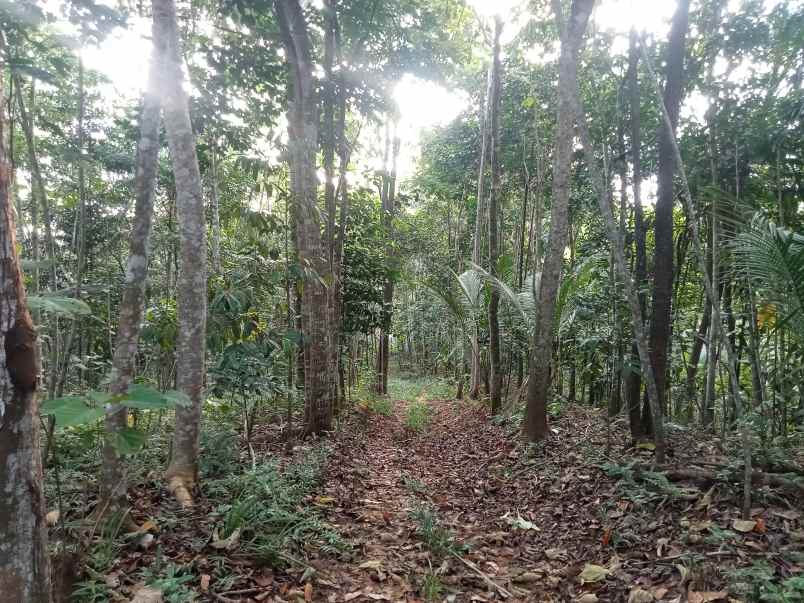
{"x":434,"y":500}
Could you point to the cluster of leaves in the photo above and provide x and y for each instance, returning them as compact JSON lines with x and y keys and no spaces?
{"x":71,"y":411}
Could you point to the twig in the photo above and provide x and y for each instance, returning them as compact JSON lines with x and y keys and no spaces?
{"x":485,"y":577}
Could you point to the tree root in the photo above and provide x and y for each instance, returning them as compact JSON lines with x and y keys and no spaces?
{"x":181,"y":487}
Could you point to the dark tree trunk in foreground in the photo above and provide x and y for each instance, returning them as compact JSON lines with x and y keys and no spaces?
{"x":24,"y":563}
{"x":535,"y":425}
{"x":495,"y":368}
{"x":303,"y":143}
{"x":113,"y":482}
{"x":191,"y":290}
{"x":663,"y":232}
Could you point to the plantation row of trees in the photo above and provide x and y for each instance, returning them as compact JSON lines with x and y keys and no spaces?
{"x":638,"y":245}
{"x":220,"y":241}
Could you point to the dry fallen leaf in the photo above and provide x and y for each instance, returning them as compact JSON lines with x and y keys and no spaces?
{"x":744,"y":525}
{"x":308,"y":591}
{"x":352,"y":596}
{"x":587,"y":598}
{"x":205,"y":578}
{"x":374,"y":564}
{"x":706,"y":596}
{"x":639,"y":595}
{"x":146,"y":594}
{"x":226,"y":543}
{"x":593,"y":573}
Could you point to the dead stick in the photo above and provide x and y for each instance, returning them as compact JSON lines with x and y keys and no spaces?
{"x":485,"y":577}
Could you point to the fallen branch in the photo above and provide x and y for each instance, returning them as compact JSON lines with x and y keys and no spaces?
{"x":485,"y":577}
{"x":707,"y":477}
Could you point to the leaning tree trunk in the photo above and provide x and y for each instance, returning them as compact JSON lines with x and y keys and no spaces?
{"x":113,"y":479}
{"x":663,"y":229}
{"x":535,"y":425}
{"x":191,"y":290}
{"x":319,"y":379}
{"x":24,"y":562}
{"x":615,"y":241}
{"x":495,"y":368}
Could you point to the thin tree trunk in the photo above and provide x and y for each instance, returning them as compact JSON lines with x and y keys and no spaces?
{"x":711,"y":291}
{"x":663,"y":232}
{"x":476,"y":368}
{"x":495,"y":377}
{"x":182,"y":473}
{"x":24,"y":562}
{"x":216,"y":213}
{"x":634,"y":382}
{"x":535,"y":424}
{"x":113,"y":478}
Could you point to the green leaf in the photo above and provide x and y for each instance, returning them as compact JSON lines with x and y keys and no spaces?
{"x":176,"y":398}
{"x":65,"y":306}
{"x":70,"y":411}
{"x":145,"y":398}
{"x":129,"y":441}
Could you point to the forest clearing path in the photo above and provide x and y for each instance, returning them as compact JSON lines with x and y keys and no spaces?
{"x":446,"y":512}
{"x":563,"y":521}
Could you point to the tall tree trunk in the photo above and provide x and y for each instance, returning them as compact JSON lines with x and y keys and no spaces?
{"x":535,"y":425}
{"x":476,"y":368}
{"x":182,"y":473}
{"x":113,"y":478}
{"x":303,"y":142}
{"x":388,"y":208}
{"x":24,"y":562}
{"x":663,"y":230}
{"x":495,"y":377}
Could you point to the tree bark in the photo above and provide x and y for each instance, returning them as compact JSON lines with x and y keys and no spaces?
{"x":495,"y":368}
{"x":182,"y":473}
{"x":634,"y":380}
{"x":476,"y":368}
{"x":303,"y":142}
{"x":535,"y":424}
{"x":663,"y":230}
{"x":24,"y":562}
{"x":113,"y":478}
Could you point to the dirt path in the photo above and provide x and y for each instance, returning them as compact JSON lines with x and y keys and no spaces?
{"x":387,"y":482}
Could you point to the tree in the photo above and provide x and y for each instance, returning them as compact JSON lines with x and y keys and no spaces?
{"x":182,"y":473}
{"x":535,"y":425}
{"x":663,"y":228}
{"x":24,"y":562}
{"x":303,"y":144}
{"x":114,"y":483}
{"x":495,"y":378}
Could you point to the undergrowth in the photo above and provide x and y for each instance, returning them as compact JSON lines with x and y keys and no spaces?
{"x":439,"y":540}
{"x":268,"y":514}
{"x":417,"y":417}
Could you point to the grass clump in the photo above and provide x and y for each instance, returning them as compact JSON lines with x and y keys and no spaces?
{"x":380,"y":406}
{"x":268,"y":514}
{"x":438,"y":540}
{"x":431,"y":588}
{"x":418,"y":416}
